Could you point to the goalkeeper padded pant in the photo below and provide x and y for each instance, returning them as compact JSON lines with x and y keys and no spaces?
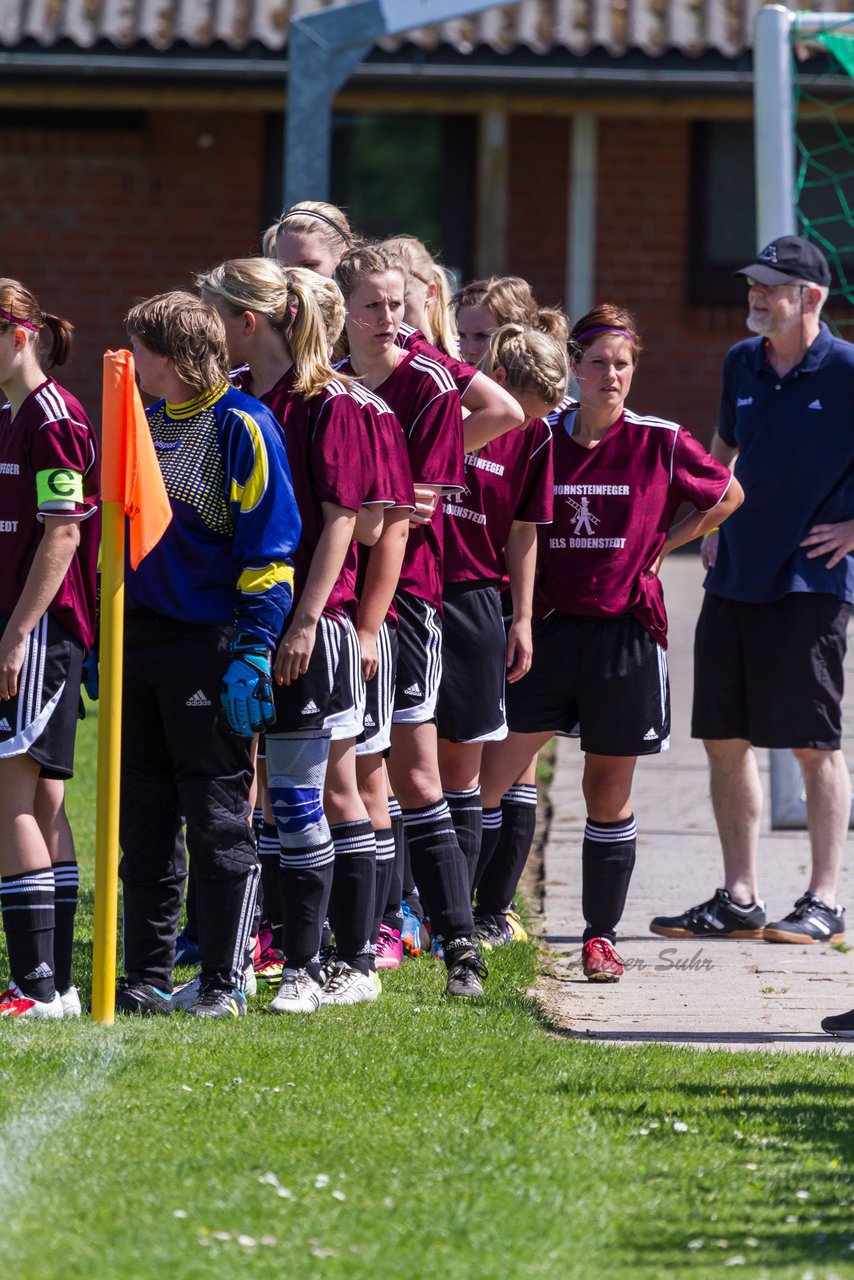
{"x":181,"y":765}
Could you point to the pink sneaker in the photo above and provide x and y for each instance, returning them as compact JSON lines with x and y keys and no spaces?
{"x":389,"y":948}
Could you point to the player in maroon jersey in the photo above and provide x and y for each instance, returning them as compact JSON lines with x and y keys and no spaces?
{"x":49,"y":535}
{"x":273,"y":323}
{"x":481,"y":307}
{"x":311,"y":234}
{"x":490,"y":530}
{"x":425,"y":399}
{"x":599,"y":668}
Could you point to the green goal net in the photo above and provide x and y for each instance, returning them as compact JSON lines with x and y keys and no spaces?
{"x":824,"y":139}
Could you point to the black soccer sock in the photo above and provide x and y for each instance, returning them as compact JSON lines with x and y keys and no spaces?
{"x":27,"y":903}
{"x":392,"y":914}
{"x":353,"y":887}
{"x":500,"y":878}
{"x":440,"y":868}
{"x":490,"y":835}
{"x":191,"y":928}
{"x":271,"y":884}
{"x":384,"y":875}
{"x":467,"y":817}
{"x":258,"y":822}
{"x":607,"y":861}
{"x":66,"y":879}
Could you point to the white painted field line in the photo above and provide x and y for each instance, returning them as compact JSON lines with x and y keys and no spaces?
{"x":42,"y":1119}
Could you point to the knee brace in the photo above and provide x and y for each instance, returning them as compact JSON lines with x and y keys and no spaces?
{"x":296,"y":772}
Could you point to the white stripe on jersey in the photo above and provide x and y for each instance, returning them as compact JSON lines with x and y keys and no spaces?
{"x":647,"y":420}
{"x":544,"y":442}
{"x":54,"y":408}
{"x":363,"y":395}
{"x":438,"y":372}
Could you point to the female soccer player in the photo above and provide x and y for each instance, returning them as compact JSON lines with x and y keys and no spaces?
{"x":50,"y":527}
{"x":490,"y":529}
{"x":312,"y":234}
{"x":483,"y":306}
{"x":599,"y":667}
{"x":273,"y":324}
{"x":222,"y":565}
{"x":423,"y":395}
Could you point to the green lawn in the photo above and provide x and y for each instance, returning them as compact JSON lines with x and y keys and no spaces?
{"x":412,"y":1137}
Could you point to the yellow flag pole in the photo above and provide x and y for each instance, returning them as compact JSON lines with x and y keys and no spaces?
{"x":110,"y":711}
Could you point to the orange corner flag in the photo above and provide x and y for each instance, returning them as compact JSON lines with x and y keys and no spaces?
{"x":130,"y":472}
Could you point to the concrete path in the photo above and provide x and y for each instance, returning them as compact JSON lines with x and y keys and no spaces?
{"x":709,"y":994}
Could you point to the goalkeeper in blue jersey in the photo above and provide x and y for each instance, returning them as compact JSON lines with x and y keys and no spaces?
{"x":204,"y":611}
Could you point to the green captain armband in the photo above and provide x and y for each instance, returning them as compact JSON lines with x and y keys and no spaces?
{"x":59,"y":488}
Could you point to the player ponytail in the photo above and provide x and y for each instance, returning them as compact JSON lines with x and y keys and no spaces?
{"x":425,"y":268}
{"x":532,"y":361}
{"x":329,"y":300}
{"x":511,"y":300}
{"x":20,"y":307}
{"x":604,"y":319}
{"x":281,"y":295}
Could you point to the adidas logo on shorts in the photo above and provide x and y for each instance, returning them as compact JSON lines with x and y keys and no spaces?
{"x":198,"y":699}
{"x":310,"y":709}
{"x":370,"y":723}
{"x":5,"y":727}
{"x":650,"y":736}
{"x":414,"y":691}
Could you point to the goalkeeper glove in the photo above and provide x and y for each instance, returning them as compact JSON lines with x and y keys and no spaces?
{"x":247,"y":696}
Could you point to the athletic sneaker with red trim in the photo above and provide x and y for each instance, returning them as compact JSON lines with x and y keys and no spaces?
{"x":601,"y":962}
{"x":389,"y":948}
{"x":269,"y":965}
{"x":14,"y":1004}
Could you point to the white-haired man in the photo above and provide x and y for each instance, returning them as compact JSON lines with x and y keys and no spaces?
{"x":770,"y":639}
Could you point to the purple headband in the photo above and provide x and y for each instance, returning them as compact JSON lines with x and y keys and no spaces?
{"x":605,"y":328}
{"x":25,"y":324}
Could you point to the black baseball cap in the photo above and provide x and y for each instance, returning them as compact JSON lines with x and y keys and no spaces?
{"x":788,"y":258}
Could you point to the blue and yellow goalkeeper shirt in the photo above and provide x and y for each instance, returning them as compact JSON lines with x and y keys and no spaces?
{"x":226,"y":555}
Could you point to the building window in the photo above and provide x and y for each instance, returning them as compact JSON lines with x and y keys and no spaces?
{"x":723,"y":211}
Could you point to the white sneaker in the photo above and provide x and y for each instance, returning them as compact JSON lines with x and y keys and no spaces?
{"x":14,"y":1004}
{"x":184,"y":996}
{"x":349,"y":986}
{"x":70,"y":1000}
{"x":298,"y":993}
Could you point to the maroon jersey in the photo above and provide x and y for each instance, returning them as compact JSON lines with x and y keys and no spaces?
{"x":427,"y":404}
{"x":613,"y":506}
{"x":330,"y":461}
{"x":413,"y":340}
{"x":511,"y":478}
{"x":392,"y":475}
{"x":49,"y":468}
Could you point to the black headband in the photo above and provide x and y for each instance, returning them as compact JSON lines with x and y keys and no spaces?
{"x":312,"y":213}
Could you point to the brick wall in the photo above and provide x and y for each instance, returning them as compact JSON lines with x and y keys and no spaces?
{"x":642,"y":252}
{"x":95,"y":219}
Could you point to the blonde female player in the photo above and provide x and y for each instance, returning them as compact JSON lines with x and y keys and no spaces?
{"x":312,"y":234}
{"x":483,"y":306}
{"x":491,"y":529}
{"x":599,"y":666}
{"x":49,"y":486}
{"x":273,"y":324}
{"x":423,"y":395}
{"x":379,"y":572}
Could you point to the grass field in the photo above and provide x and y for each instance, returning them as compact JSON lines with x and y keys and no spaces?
{"x":412,"y":1137}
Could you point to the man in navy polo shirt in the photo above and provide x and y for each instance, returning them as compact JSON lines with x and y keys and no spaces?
{"x":770,"y":643}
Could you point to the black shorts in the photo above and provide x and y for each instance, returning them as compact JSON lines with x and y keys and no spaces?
{"x":474,"y":649}
{"x":331,"y":694}
{"x":771,"y":673}
{"x":379,"y":695}
{"x":603,"y":679}
{"x":419,"y":659}
{"x":41,"y":720}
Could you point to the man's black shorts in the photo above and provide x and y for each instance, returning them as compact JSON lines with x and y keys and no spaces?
{"x":41,"y":720}
{"x":771,"y":673}
{"x":603,"y":679}
{"x":474,"y":649}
